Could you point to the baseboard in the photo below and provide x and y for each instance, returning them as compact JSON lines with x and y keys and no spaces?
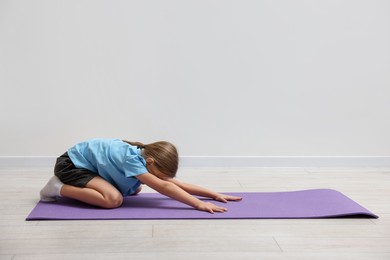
{"x":230,"y":161}
{"x":27,"y":161}
{"x":285,"y":161}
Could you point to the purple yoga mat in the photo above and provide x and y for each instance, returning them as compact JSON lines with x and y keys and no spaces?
{"x":319,"y":203}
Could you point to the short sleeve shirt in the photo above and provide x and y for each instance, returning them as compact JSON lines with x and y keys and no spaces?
{"x":114,"y":160}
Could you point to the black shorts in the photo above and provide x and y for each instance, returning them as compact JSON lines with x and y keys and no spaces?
{"x":67,"y":172}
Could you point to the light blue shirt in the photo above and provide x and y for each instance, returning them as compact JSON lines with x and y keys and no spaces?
{"x":114,"y":160}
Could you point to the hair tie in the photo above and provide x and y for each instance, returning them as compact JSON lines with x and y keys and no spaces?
{"x":141,"y":146}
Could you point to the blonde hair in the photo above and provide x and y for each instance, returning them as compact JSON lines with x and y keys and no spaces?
{"x":164,"y":154}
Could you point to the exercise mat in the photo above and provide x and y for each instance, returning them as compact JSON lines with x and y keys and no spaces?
{"x":317,"y":203}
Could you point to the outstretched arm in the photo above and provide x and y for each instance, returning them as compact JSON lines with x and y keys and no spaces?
{"x":177,"y":193}
{"x":200,"y":191}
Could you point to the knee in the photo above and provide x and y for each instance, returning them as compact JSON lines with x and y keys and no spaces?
{"x":114,"y":201}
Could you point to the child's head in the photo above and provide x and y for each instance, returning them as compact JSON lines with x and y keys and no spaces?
{"x":163,"y":155}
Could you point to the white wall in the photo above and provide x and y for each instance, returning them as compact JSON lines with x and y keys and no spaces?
{"x":218,"y":78}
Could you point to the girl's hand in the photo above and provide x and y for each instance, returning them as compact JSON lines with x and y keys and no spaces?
{"x":210,"y":207}
{"x":225,"y":198}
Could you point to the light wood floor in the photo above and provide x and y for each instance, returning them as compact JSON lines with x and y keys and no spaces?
{"x":352,"y":238}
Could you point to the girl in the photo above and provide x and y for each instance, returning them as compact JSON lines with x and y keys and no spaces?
{"x":101,"y":171}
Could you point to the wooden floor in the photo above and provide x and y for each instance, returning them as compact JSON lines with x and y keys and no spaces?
{"x":353,"y":238}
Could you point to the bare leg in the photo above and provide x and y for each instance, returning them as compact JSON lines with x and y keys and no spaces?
{"x":98,"y":192}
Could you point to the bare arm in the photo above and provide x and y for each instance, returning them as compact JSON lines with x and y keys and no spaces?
{"x":193,"y":189}
{"x":177,"y":193}
{"x":200,"y":191}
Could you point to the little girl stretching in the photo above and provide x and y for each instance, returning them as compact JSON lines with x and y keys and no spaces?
{"x":101,"y":171}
